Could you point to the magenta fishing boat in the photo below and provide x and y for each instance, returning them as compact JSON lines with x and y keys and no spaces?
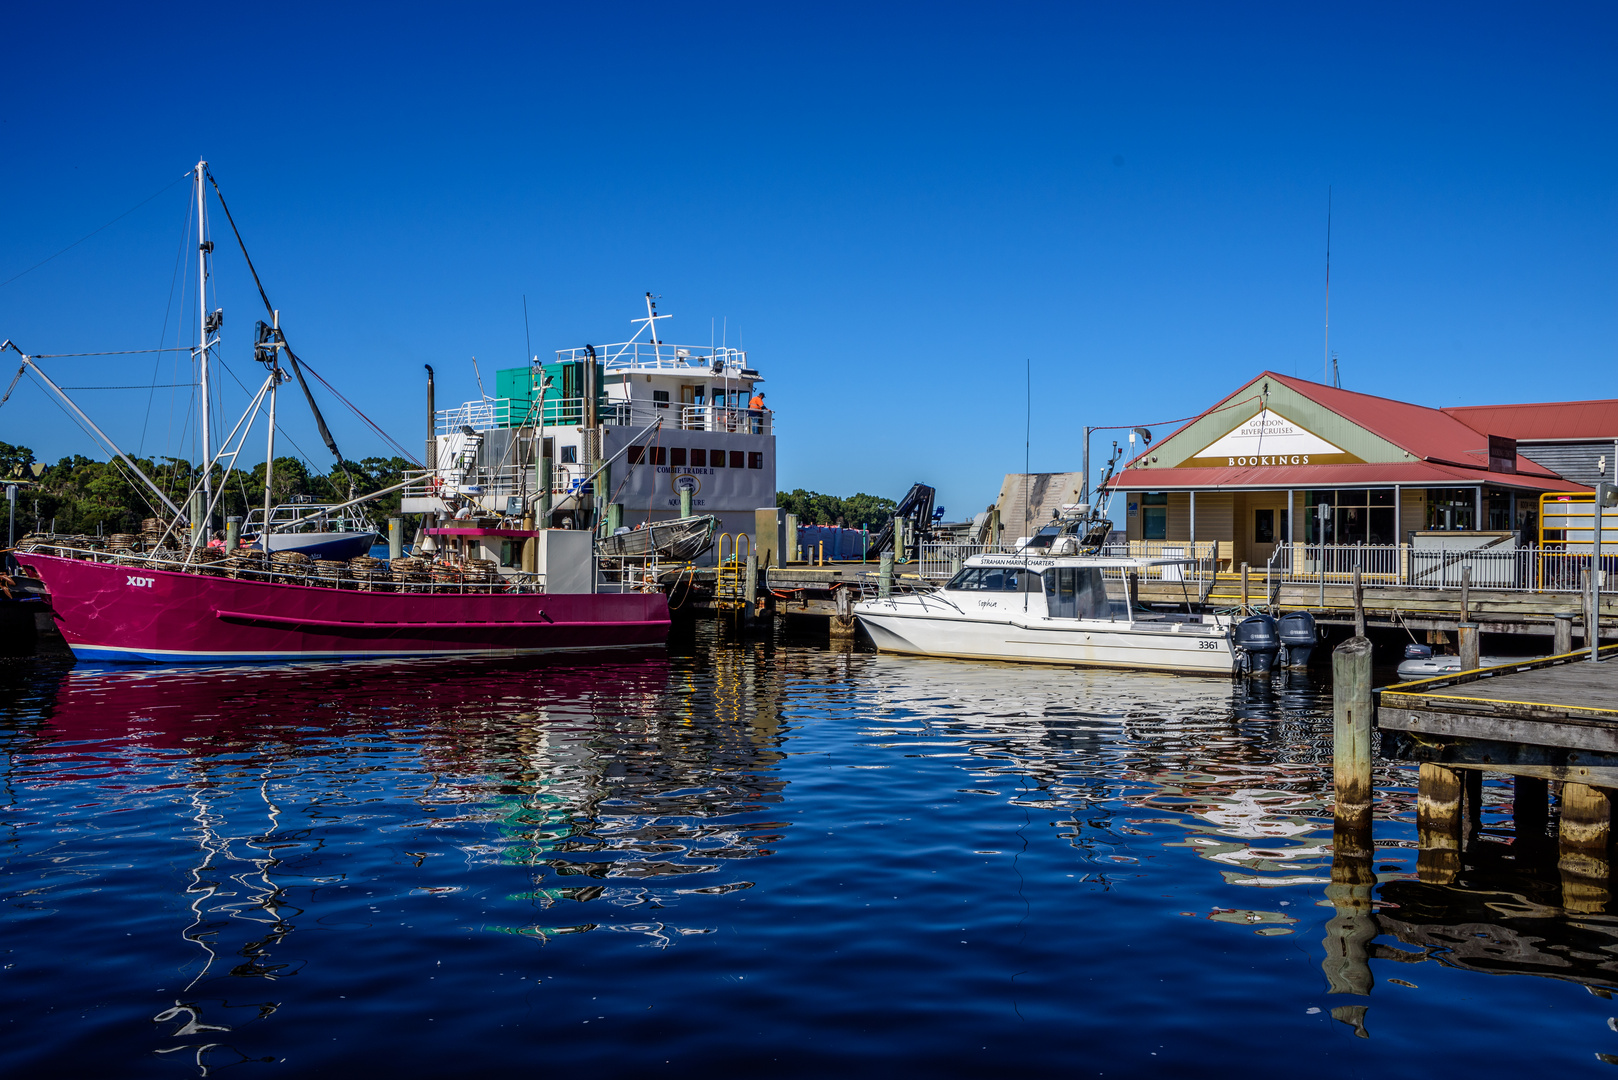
{"x":130,"y":610}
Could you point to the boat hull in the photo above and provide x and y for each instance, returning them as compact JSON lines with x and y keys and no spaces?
{"x":931,"y":629}
{"x":120,"y":613}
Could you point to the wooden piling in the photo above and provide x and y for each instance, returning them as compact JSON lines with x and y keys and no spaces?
{"x":1350,"y":932}
{"x":233,"y":533}
{"x":1244,"y":589}
{"x":750,"y":588}
{"x":843,"y":624}
{"x":1467,"y":632}
{"x":1584,"y":837}
{"x":1563,"y":640}
{"x":884,"y":576}
{"x":685,"y":502}
{"x":1466,"y":594}
{"x":1352,"y":715}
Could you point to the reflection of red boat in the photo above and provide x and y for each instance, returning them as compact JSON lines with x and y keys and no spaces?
{"x":110,"y":611}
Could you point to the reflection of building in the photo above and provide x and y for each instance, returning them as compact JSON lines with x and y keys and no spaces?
{"x":1254,"y":471}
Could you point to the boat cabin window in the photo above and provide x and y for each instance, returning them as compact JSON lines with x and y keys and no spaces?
{"x":994,"y":579}
{"x":570,"y":454}
{"x":1076,"y":592}
{"x":699,"y":459}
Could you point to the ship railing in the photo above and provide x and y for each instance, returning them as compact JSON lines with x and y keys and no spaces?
{"x":498,"y":482}
{"x":661,"y":356}
{"x":438,"y":577}
{"x":492,"y":413}
{"x":941,"y":561}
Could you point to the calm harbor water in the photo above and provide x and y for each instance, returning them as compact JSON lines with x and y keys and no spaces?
{"x":765,"y":854}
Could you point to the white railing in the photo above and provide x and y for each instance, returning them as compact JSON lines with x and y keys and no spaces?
{"x":493,"y":413}
{"x":1524,"y":569}
{"x":940,"y":561}
{"x":660,"y":356}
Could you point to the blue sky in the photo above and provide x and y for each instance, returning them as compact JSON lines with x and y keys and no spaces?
{"x":893,"y":206}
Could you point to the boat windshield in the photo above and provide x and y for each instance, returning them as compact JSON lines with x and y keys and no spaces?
{"x":1076,"y":592}
{"x":1043,"y":538}
{"x":994,"y":579}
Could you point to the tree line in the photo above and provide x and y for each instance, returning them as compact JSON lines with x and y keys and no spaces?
{"x":82,"y":495}
{"x":854,"y":512}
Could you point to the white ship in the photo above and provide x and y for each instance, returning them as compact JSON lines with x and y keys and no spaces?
{"x":607,"y":437}
{"x":1052,"y":610}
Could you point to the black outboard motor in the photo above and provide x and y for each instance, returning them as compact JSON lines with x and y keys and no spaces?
{"x":1297,"y":632}
{"x":1418,"y":652}
{"x":1259,"y":643}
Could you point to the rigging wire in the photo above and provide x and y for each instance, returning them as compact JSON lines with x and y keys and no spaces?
{"x":92,"y":232}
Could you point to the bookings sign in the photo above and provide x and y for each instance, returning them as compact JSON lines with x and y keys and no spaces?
{"x":1269,"y":439}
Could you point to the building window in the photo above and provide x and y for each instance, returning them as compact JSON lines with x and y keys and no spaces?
{"x":570,"y":455}
{"x":660,"y":398}
{"x":1357,"y":516}
{"x":636,"y":455}
{"x":677,"y":457}
{"x":1264,"y":526}
{"x":716,"y":459}
{"x":699,"y":459}
{"x":1451,"y":509}
{"x":755,"y":460}
{"x":1154,"y":515}
{"x":738,"y":459}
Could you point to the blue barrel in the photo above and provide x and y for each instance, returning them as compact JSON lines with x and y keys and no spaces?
{"x":1259,"y":642}
{"x":1297,"y":632}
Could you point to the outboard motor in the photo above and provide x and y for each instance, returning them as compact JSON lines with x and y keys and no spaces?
{"x":1259,"y":643}
{"x":1297,"y":632}
{"x":1418,"y":652}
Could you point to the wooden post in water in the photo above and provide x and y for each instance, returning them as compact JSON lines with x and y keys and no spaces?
{"x":884,"y":576}
{"x":1563,"y":640}
{"x":750,"y":588}
{"x":233,"y":534}
{"x":1244,"y":588}
{"x":843,"y":624}
{"x":1467,"y":633}
{"x":1466,"y":593}
{"x":1350,"y":931}
{"x":1586,"y":832}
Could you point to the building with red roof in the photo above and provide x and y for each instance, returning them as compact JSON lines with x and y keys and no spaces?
{"x":1285,"y":459}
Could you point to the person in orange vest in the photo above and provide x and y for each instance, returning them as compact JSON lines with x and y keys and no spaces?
{"x":756,"y":411}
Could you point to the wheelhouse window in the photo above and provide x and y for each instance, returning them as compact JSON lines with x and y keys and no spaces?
{"x":699,"y":459}
{"x":636,"y":455}
{"x":570,"y":455}
{"x":755,"y":459}
{"x":716,"y":459}
{"x":660,"y":455}
{"x":660,"y":398}
{"x":995,"y":579}
{"x":1076,"y":592}
{"x":677,"y":457}
{"x":738,"y":459}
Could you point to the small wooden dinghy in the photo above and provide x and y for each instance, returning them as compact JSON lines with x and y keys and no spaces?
{"x":679,"y":540}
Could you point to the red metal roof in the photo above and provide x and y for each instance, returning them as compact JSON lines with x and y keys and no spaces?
{"x":1433,"y":435}
{"x":1545,"y":420}
{"x":1271,"y":477}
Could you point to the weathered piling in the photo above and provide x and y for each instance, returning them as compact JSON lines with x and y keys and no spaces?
{"x":1244,"y":589}
{"x":884,"y":576}
{"x":750,"y":587}
{"x":1440,"y":822}
{"x":1350,"y":931}
{"x":1359,"y":605}
{"x":233,"y":533}
{"x":1562,"y":642}
{"x":395,"y":537}
{"x":843,"y":624}
{"x":685,"y":502}
{"x":1467,"y":633}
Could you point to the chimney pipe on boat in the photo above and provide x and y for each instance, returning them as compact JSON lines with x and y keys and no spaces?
{"x":432,"y":422}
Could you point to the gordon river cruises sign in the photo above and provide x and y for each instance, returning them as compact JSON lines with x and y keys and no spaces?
{"x":1269,"y":439}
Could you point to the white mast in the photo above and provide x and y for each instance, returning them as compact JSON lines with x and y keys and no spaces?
{"x":203,"y":247}
{"x":269,"y":452}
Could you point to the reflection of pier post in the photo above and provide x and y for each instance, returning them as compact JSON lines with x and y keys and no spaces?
{"x":1586,"y":831}
{"x":1448,"y":803}
{"x":1349,"y":932}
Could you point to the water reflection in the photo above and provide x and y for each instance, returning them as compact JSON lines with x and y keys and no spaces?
{"x":298,"y":854}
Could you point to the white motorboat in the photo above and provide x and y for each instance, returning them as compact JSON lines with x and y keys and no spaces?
{"x":1051,"y":609}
